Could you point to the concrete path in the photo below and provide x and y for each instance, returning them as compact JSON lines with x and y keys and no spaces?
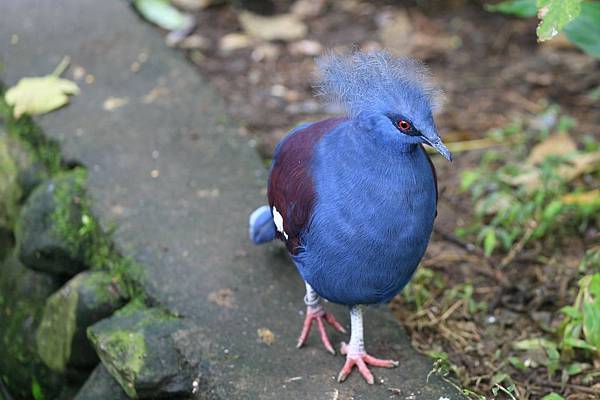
{"x":177,"y":180}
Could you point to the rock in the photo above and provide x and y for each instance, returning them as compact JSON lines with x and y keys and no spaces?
{"x":20,"y":172}
{"x":137,"y":348}
{"x":84,"y":300}
{"x":52,"y":229}
{"x":23,"y":293}
{"x":101,"y":386}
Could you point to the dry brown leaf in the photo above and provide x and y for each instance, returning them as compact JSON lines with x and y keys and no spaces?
{"x":223,"y":297}
{"x":113,"y":103}
{"x":286,"y":27}
{"x":266,"y":336}
{"x":558,"y":144}
{"x":579,"y":165}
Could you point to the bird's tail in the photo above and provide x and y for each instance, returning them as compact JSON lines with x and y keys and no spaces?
{"x":261,"y":226}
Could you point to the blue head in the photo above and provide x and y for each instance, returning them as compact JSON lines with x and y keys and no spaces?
{"x":392,"y":97}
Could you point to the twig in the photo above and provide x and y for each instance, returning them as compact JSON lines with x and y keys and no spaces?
{"x":62,"y":66}
{"x":583,"y":389}
{"x":470,"y":247}
{"x":516,"y":249}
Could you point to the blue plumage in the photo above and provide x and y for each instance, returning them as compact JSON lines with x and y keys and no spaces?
{"x":261,"y":226}
{"x":354,"y":198}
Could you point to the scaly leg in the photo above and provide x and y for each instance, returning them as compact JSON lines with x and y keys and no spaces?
{"x":316,"y":312}
{"x":355,"y":351}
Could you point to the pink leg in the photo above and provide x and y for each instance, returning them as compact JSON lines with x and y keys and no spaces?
{"x":315,"y":312}
{"x":318,"y":314}
{"x":356,"y":354}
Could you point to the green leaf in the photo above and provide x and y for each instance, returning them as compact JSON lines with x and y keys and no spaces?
{"x":517,"y":363}
{"x":591,"y":323}
{"x":555,"y":15}
{"x":584,"y":31}
{"x":489,"y":242}
{"x":552,"y":210}
{"x":580,"y":344}
{"x":571,"y":312}
{"x":533,"y":344}
{"x":163,"y":14}
{"x":36,"y":390}
{"x":521,"y":8}
{"x":553,"y":396}
{"x":39,"y":95}
{"x":576,"y":368}
{"x":468,"y":178}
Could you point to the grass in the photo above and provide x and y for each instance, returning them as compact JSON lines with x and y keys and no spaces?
{"x":518,"y":317}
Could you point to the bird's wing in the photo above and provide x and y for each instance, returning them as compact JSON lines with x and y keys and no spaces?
{"x":291,"y":190}
{"x":434,"y":176}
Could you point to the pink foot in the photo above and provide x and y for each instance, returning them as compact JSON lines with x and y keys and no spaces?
{"x":318,"y":314}
{"x":361,"y":360}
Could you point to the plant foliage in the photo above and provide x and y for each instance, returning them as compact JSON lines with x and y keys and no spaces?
{"x":579,"y":19}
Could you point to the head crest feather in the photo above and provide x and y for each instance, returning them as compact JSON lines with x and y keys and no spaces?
{"x":376,"y":82}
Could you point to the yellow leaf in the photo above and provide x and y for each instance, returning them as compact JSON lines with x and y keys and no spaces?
{"x":583,"y":198}
{"x":39,"y":95}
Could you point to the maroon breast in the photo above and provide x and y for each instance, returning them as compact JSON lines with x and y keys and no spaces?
{"x":291,"y":190}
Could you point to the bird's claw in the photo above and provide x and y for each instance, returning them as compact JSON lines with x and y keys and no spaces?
{"x":361,"y":360}
{"x":319,"y":314}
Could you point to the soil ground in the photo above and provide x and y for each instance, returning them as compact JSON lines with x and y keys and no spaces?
{"x":492,"y":71}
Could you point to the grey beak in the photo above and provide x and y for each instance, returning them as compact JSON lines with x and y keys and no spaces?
{"x":440,"y":147}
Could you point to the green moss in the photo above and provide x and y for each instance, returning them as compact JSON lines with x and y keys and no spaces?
{"x":24,"y":293}
{"x":45,"y":150}
{"x":122,"y":353}
{"x":57,"y":328}
{"x":82,"y":231}
{"x":10,"y":192}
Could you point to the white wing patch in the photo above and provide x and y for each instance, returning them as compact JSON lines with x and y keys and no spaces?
{"x":278,"y":220}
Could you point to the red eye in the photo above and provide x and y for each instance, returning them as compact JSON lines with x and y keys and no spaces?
{"x":404,"y":125}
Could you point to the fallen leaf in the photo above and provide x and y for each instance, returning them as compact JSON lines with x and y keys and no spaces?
{"x":194,"y":5}
{"x":583,"y":198}
{"x":286,"y":27}
{"x":266,"y":336}
{"x":577,"y":166}
{"x":558,"y":144}
{"x":307,"y":8}
{"x":234,"y":41}
{"x":39,"y":95}
{"x":163,"y":14}
{"x":194,"y":42}
{"x":223,"y":298}
{"x":266,"y":51}
{"x":306,"y":48}
{"x":114,"y":102}
{"x":396,"y":33}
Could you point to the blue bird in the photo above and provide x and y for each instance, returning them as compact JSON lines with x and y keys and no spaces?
{"x":354,"y":198}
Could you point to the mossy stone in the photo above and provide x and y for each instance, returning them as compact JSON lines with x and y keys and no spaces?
{"x":138,"y":350}
{"x":23,"y":293}
{"x":10,"y":191}
{"x":50,"y":233}
{"x":85,"y":299}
